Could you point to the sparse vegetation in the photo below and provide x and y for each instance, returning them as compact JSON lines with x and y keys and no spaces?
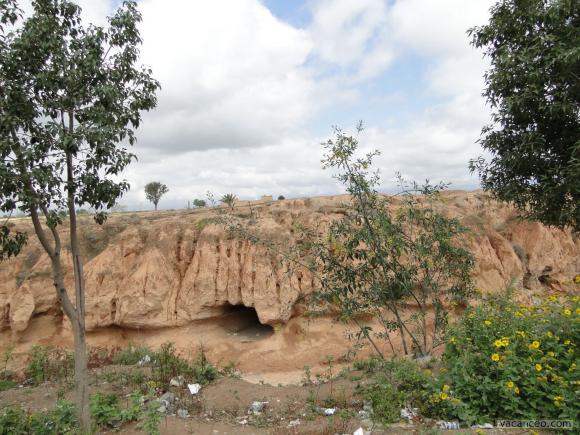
{"x":229,"y":199}
{"x":199,"y":203}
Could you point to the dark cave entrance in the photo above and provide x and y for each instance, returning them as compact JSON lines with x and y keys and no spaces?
{"x":243,"y":322}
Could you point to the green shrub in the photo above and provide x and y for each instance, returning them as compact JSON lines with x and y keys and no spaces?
{"x":50,"y":363}
{"x":506,"y":360}
{"x":396,"y":384}
{"x":203,"y":371}
{"x":60,"y":420}
{"x":105,"y":410}
{"x":132,"y":355}
{"x":167,"y":364}
{"x":6,"y":384}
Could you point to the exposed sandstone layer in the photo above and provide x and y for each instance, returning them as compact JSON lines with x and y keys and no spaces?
{"x":153,"y":270}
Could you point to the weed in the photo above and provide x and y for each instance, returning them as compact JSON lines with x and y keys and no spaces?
{"x":6,"y":384}
{"x":132,"y":355}
{"x":49,"y":363}
{"x":105,"y":410}
{"x":59,"y":420}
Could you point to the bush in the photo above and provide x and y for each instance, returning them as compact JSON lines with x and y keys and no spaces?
{"x":506,"y":360}
{"x":105,"y":410}
{"x":132,"y":355}
{"x":60,"y":420}
{"x":397,"y":384}
{"x":49,"y":363}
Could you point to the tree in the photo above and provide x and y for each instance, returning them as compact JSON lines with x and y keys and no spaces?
{"x":533,"y":87}
{"x":70,"y":95}
{"x":199,"y":203}
{"x":281,"y":197}
{"x":154,"y":191}
{"x":229,"y":199}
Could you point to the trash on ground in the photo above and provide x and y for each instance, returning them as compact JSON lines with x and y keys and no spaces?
{"x":329,"y":411}
{"x":177,"y":382}
{"x":194,"y":388}
{"x":448,"y":425}
{"x":256,"y":407}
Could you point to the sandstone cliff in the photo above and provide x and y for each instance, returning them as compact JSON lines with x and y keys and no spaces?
{"x":153,"y":270}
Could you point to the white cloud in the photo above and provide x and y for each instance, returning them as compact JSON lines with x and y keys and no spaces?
{"x":232,"y":75}
{"x":243,"y":92}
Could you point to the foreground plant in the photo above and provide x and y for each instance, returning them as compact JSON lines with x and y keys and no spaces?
{"x":507,"y":360}
{"x":70,"y":94}
{"x":401,"y":264}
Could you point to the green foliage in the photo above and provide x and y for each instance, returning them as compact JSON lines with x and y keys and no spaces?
{"x":533,"y":88}
{"x":49,"y":363}
{"x":154,"y":191}
{"x":132,"y":355}
{"x":151,"y":417}
{"x":281,"y":197}
{"x":61,"y":420}
{"x":229,"y":199}
{"x":199,"y":203}
{"x":105,"y":410}
{"x":203,"y":371}
{"x":6,"y":384}
{"x":10,"y":245}
{"x":396,"y":384}
{"x":377,"y":260}
{"x":505,"y":359}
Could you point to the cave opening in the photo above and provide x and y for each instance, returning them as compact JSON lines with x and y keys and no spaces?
{"x":243,"y":322}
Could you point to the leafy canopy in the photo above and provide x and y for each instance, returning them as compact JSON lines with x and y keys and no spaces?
{"x":154,"y":191}
{"x":229,"y":199}
{"x":70,"y":98}
{"x":533,"y":87}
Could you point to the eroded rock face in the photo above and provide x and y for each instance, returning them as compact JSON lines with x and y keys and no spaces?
{"x":166,"y":269}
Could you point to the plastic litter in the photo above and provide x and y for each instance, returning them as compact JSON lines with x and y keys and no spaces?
{"x":482,"y":426}
{"x":359,"y":431}
{"x":329,"y":411}
{"x":293,"y":423}
{"x":145,"y":360}
{"x":177,"y":382}
{"x":194,"y":388}
{"x":182,"y":413}
{"x":448,"y":425}
{"x":256,"y":407}
{"x":409,"y":413}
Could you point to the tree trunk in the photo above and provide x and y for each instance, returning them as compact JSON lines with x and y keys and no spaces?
{"x":78,"y":324}
{"x":81,"y":377}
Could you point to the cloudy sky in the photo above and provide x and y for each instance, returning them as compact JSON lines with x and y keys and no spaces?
{"x":251,"y":88}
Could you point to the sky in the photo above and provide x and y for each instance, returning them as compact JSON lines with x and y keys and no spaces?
{"x":250,"y":88}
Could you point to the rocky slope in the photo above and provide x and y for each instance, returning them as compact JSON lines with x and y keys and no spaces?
{"x":153,"y":270}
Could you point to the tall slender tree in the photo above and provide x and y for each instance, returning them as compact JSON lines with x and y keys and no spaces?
{"x":71,"y":97}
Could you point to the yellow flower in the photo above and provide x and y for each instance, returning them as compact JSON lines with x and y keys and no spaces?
{"x":567,"y":343}
{"x":577,"y":311}
{"x":535,"y":344}
{"x":498,"y":343}
{"x":445,"y":388}
{"x":443,"y":396}
{"x":538,"y":367}
{"x":567,"y":312}
{"x":516,"y":390}
{"x":577,"y":279}
{"x":518,"y":314}
{"x":521,"y":334}
{"x":510,"y":384}
{"x":551,"y":354}
{"x":487,"y":323}
{"x":495,"y":357}
{"x":452,"y":340}
{"x":552,"y":298}
{"x":549,"y":334}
